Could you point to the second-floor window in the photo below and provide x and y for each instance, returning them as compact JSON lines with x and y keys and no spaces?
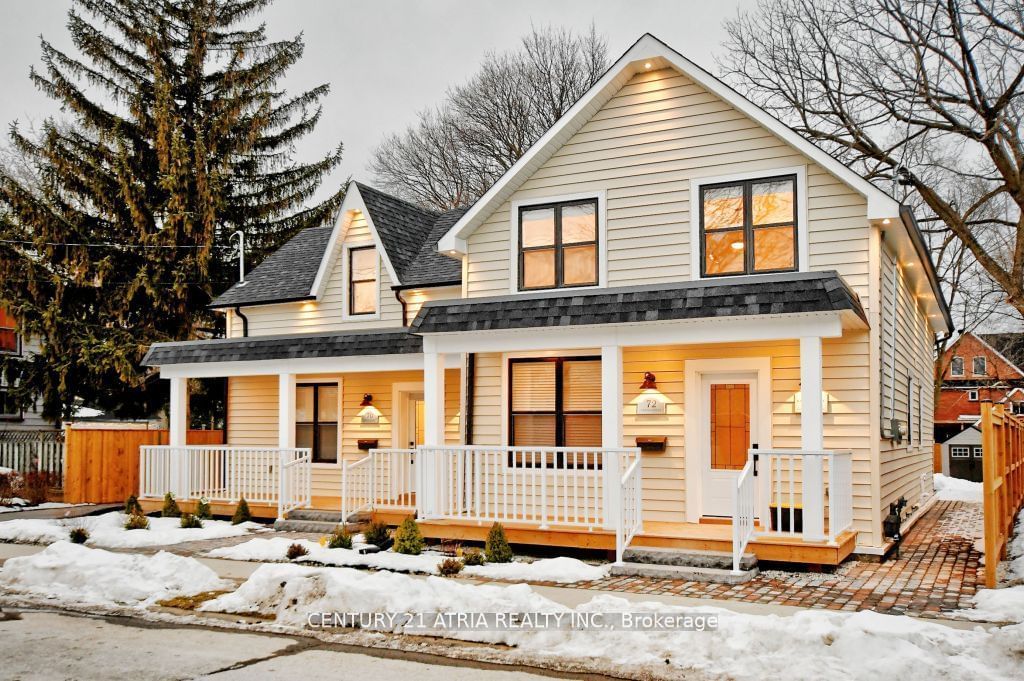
{"x":9,"y":341}
{"x":979,"y":366}
{"x":362,"y":280}
{"x":748,"y":227}
{"x":558,"y":245}
{"x":956,"y":366}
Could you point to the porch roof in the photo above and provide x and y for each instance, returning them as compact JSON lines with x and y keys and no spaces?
{"x":296,"y":346}
{"x":793,"y":293}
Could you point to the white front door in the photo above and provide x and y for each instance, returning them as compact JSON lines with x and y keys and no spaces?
{"x":728,"y":418}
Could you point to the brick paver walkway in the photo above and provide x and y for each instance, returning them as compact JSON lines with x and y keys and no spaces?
{"x":936,"y":573}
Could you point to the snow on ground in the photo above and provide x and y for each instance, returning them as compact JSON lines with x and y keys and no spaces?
{"x":957,"y":489}
{"x":18,"y":504}
{"x":563,"y":570}
{"x":75,"y":573}
{"x":811,"y":644}
{"x":108,"y":531}
{"x":1004,"y":604}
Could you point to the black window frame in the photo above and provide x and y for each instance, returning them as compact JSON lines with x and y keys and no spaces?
{"x":749,"y":228}
{"x":316,"y":423}
{"x":352,"y":281}
{"x":558,"y":460}
{"x":558,"y":246}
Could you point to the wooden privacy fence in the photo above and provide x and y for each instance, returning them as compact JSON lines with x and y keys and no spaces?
{"x":1002,"y":439}
{"x":102,"y":465}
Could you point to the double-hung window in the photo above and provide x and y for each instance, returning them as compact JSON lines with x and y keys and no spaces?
{"x":979,"y":366}
{"x":748,"y":227}
{"x":316,"y":420}
{"x":956,"y":366}
{"x":555,"y":402}
{"x":558,"y":245}
{"x":362,"y":280}
{"x":9,"y":411}
{"x":10,"y":342}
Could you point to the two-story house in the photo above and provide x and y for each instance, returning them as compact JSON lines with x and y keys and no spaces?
{"x":672,"y":323}
{"x":13,"y":417}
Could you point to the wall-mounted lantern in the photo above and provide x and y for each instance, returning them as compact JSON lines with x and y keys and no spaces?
{"x":650,"y":381}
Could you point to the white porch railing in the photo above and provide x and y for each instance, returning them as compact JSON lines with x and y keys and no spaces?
{"x":630,"y":507}
{"x":744,"y":504}
{"x":383,"y":479}
{"x":786,"y":502}
{"x":264,"y":475}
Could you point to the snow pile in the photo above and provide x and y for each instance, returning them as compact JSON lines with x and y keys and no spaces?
{"x":811,"y":644}
{"x":108,"y":531}
{"x":1004,"y":604}
{"x":70,"y":572}
{"x":563,"y":570}
{"x":957,"y":489}
{"x":1015,"y":552}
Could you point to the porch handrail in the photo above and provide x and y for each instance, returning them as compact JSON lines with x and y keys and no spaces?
{"x":383,"y":479}
{"x":355,"y":487}
{"x":782,"y":487}
{"x":744,"y":503}
{"x":630,"y":520}
{"x":226,"y":473}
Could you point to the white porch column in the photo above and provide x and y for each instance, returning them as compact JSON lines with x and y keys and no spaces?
{"x":177,"y":436}
{"x":433,"y":434}
{"x":611,"y":430}
{"x":286,"y":411}
{"x":812,"y":438}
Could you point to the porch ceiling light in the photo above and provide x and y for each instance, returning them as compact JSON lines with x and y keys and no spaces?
{"x":367,"y":400}
{"x":650,"y":381}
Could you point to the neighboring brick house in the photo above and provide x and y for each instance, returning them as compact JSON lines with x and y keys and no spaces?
{"x":975,"y":372}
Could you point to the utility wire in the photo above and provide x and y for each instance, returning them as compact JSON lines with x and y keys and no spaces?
{"x":106,"y":245}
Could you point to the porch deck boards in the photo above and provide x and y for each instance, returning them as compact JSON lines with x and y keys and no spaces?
{"x":701,"y":536}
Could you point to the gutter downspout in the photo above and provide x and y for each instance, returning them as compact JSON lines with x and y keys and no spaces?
{"x":401,"y":301}
{"x":245,"y":321}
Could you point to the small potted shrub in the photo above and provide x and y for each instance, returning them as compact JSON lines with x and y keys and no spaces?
{"x":190,"y":522}
{"x":136,"y":521}
{"x":473,"y":557}
{"x":170,"y":509}
{"x":296,"y":551}
{"x":497,"y":548}
{"x":378,"y":534}
{"x":242,"y":514}
{"x":340,"y":539}
{"x":78,"y":535}
{"x":408,"y":539}
{"x":132,"y":505}
{"x":203,"y":511}
{"x":449,"y":567}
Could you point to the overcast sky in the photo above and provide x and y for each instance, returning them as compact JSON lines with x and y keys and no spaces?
{"x":385,"y":60}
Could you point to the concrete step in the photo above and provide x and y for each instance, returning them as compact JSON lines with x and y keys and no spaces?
{"x":311,"y":526}
{"x":684,"y":572}
{"x":315,"y":515}
{"x":721,"y":560}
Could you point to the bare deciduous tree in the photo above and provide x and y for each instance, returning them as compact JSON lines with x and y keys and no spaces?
{"x":453,"y":153}
{"x":924,"y":97}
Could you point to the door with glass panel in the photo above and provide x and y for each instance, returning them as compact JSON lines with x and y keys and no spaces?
{"x":316,"y":420}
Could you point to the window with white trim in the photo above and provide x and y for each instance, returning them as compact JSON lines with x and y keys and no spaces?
{"x":749,"y":227}
{"x":362,"y":280}
{"x":972,"y":395}
{"x":558,"y":245}
{"x":960,"y":452}
{"x":956,"y":366}
{"x":10,"y":341}
{"x":9,"y":411}
{"x":979,"y":366}
{"x":978,"y":451}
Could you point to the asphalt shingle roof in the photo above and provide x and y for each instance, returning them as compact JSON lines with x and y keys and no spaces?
{"x":287,"y":274}
{"x":408,"y":233}
{"x":253,"y":348}
{"x":740,"y":296}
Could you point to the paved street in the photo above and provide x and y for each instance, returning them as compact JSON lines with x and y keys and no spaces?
{"x":46,"y":646}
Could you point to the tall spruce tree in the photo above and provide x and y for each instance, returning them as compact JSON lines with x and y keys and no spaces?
{"x":115,"y":227}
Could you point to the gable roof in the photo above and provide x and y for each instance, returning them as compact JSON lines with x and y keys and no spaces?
{"x":1009,"y":346}
{"x":405,"y":235}
{"x":649,"y":50}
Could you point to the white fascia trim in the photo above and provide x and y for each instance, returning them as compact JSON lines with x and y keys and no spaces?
{"x":802,"y":240}
{"x":602,"y":239}
{"x":306,"y":365}
{"x":347,"y":292}
{"x":353,"y":201}
{"x":675,"y":332}
{"x":648,"y":48}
